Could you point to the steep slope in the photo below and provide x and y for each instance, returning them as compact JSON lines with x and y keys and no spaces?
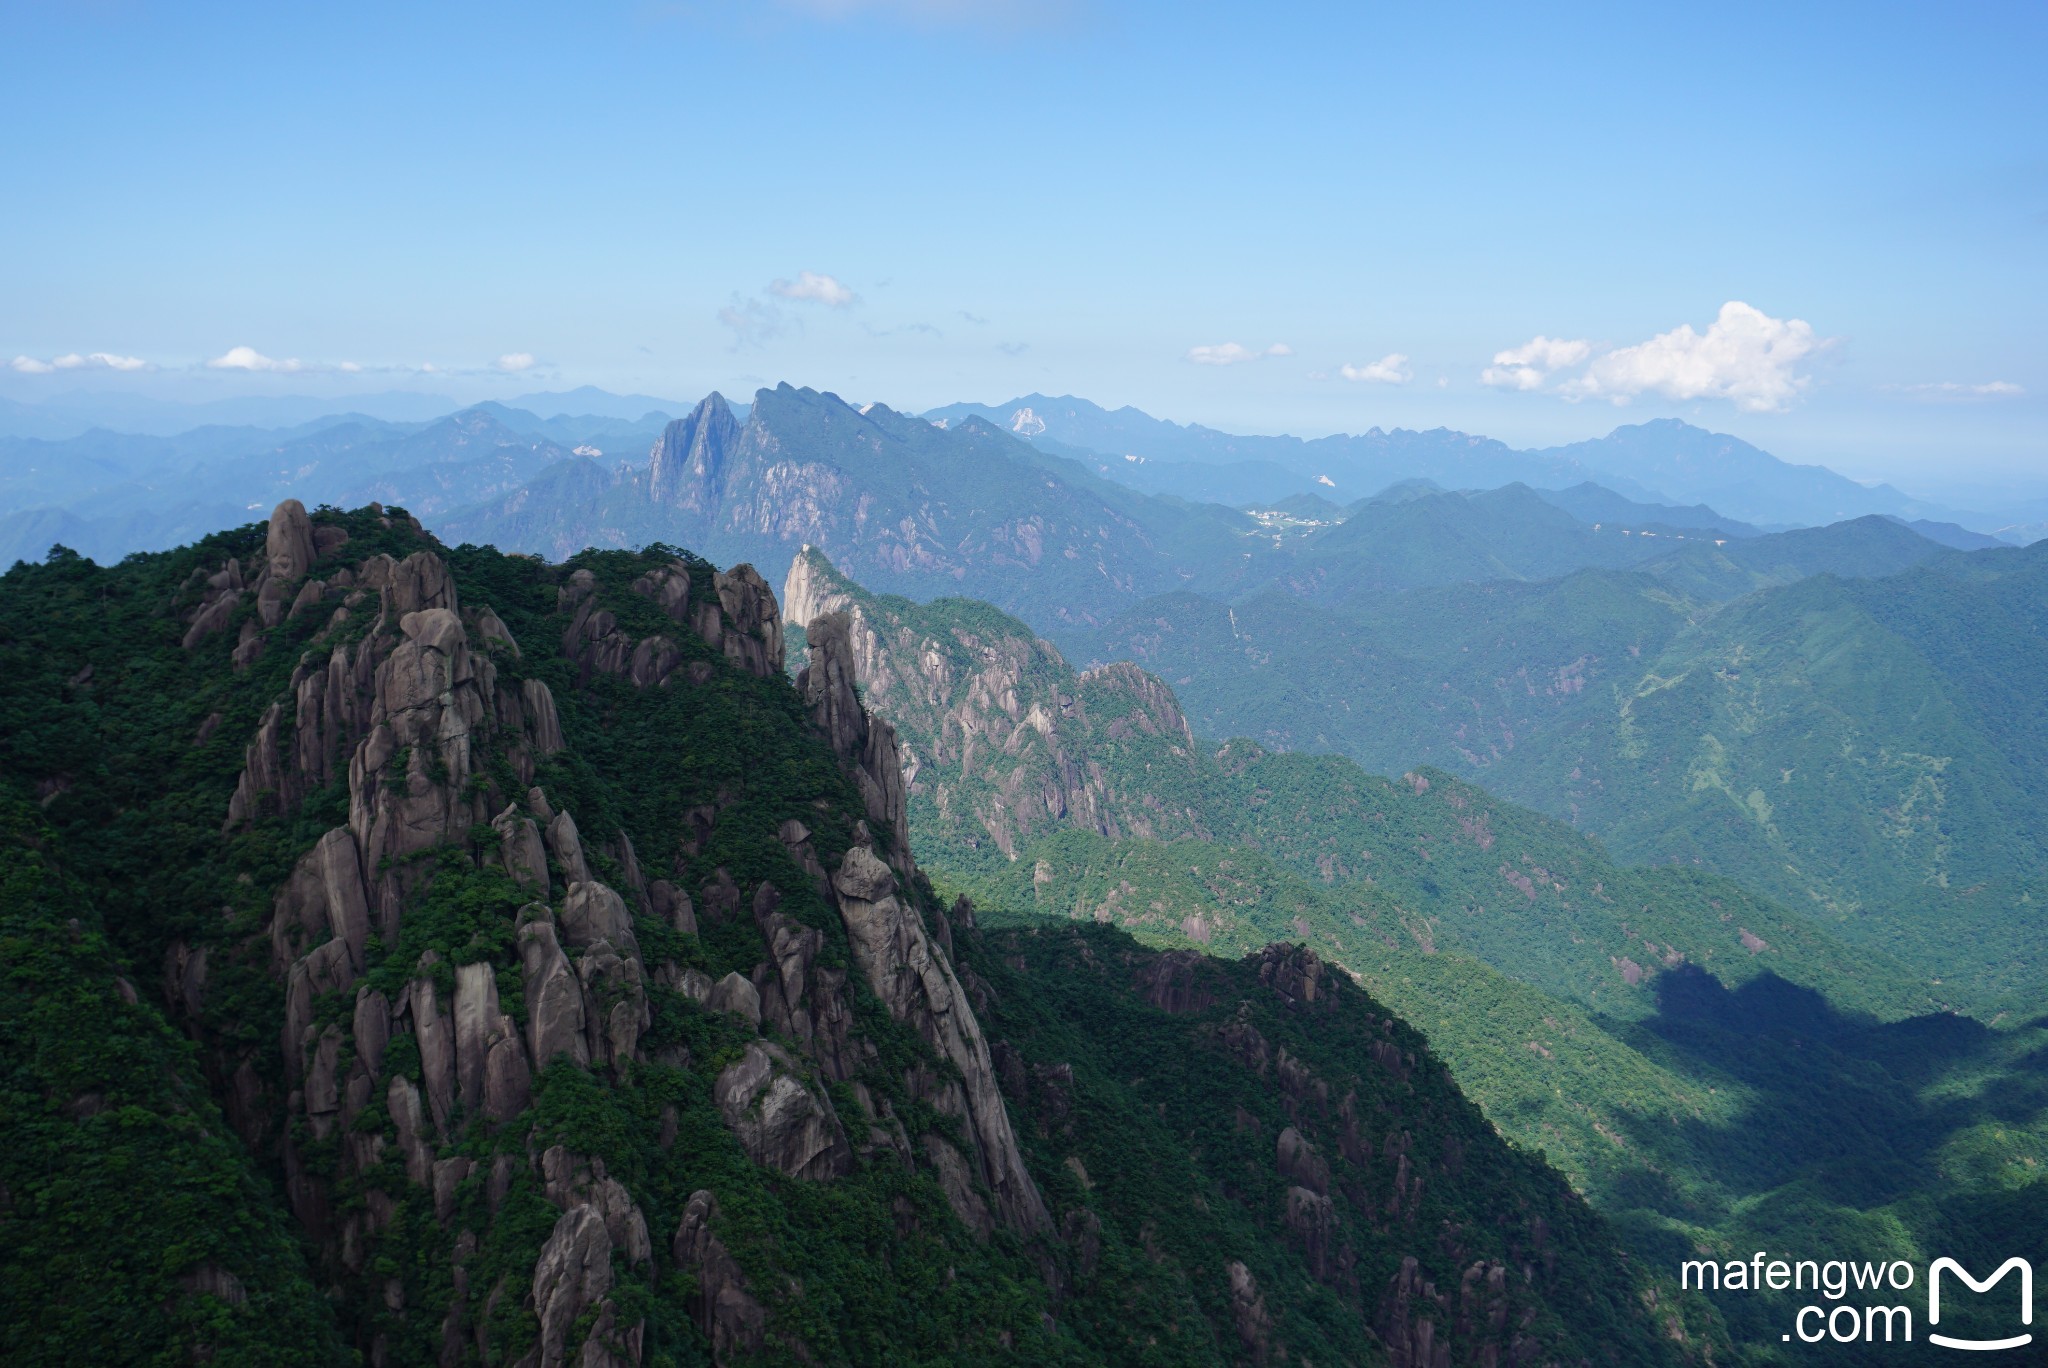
{"x":1867,"y":750}
{"x":916,"y":508}
{"x":1005,"y":745}
{"x":566,"y":971}
{"x":1712,"y":1069}
{"x":1862,"y":749}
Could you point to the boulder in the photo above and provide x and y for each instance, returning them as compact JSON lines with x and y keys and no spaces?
{"x":543,"y":723}
{"x":669,"y":588}
{"x":755,"y":641}
{"x":780,"y":1121}
{"x":554,"y":996}
{"x":567,"y":848}
{"x":519,"y":847}
{"x":736,"y":994}
{"x":508,"y":1078}
{"x":592,"y":912}
{"x":573,"y":1274}
{"x":289,"y":542}
{"x":476,"y":1021}
{"x":436,"y":1039}
{"x":324,"y":896}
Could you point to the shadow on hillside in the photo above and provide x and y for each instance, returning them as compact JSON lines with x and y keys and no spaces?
{"x":1838,"y":1101}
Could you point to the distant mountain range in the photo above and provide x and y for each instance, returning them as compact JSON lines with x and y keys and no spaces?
{"x":106,"y":494}
{"x":1664,"y":461}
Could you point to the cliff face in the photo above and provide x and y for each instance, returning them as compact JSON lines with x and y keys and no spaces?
{"x":566,"y":974}
{"x":1001,"y":741}
{"x":903,"y":504}
{"x":403,"y":693}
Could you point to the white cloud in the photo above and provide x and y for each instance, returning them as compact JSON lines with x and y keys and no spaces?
{"x":1949,"y":389}
{"x":1526,"y":367}
{"x":1745,"y":356}
{"x":1391,"y":369}
{"x":249,"y":359}
{"x":515,"y":361}
{"x":29,"y":365}
{"x":1230,"y":353}
{"x":811,"y":285}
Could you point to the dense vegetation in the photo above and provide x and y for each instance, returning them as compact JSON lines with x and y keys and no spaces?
{"x":1717,"y":1071}
{"x":153,"y":1144}
{"x":1863,"y":750}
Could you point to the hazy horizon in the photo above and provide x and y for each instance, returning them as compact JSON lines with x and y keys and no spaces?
{"x":1819,"y":233}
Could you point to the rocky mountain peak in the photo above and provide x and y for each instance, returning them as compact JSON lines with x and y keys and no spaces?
{"x":686,"y":468}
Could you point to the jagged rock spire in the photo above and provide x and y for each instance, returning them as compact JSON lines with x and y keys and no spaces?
{"x":290,"y":542}
{"x":686,"y":465}
{"x":866,"y":743}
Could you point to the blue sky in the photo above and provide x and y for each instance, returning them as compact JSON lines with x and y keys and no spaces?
{"x":973,"y":199}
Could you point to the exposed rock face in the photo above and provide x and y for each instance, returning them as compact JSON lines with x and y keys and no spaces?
{"x":401,"y":700}
{"x":519,"y":847}
{"x":1248,"y":1311}
{"x":408,"y":778}
{"x":995,"y":731}
{"x":573,"y":1274}
{"x":289,"y":544}
{"x":669,"y":588}
{"x":323,"y":897}
{"x":779,"y":1120}
{"x":554,"y":996}
{"x":918,"y":986}
{"x":686,"y":469}
{"x":754,"y":640}
{"x":728,"y":1314}
{"x":865,"y":744}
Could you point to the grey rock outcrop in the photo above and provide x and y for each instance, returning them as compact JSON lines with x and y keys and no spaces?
{"x":753,"y":641}
{"x":778,"y":1119}
{"x":289,"y":542}
{"x":520,"y":848}
{"x":566,"y":845}
{"x":725,"y":1311}
{"x":324,"y":896}
{"x":669,"y":589}
{"x":593,"y":912}
{"x":865,"y":745}
{"x":918,"y":986}
{"x":686,"y":468}
{"x":554,"y":995}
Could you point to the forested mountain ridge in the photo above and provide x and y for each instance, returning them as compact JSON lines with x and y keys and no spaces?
{"x":1860,"y":747}
{"x":1713,"y":1069}
{"x":558,"y":972}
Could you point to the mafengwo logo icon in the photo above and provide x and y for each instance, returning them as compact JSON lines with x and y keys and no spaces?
{"x":1940,"y":1266}
{"x":1854,"y":1309}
